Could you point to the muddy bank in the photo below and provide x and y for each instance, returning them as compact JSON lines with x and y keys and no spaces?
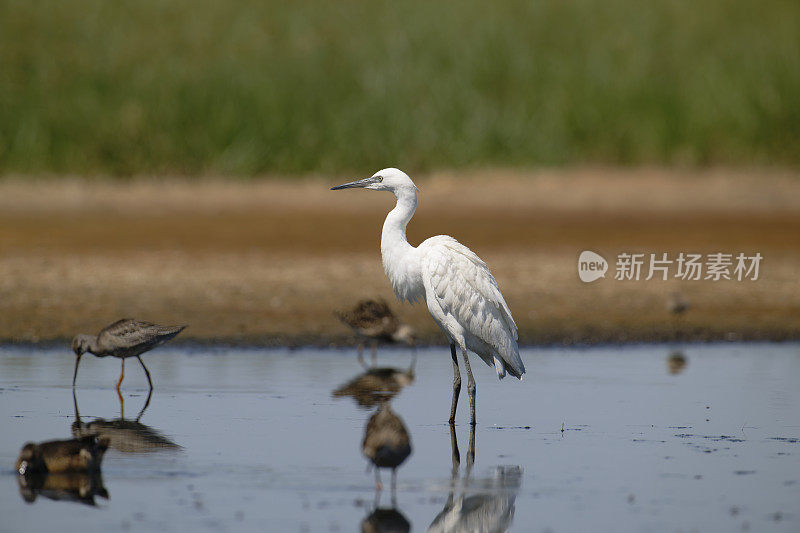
{"x":267,"y":262}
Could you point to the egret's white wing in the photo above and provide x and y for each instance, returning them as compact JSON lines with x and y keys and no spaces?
{"x":466,"y":290}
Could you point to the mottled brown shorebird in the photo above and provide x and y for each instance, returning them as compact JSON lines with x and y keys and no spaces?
{"x":677,"y":304}
{"x":124,"y":338}
{"x":373,"y":319}
{"x":56,"y":456}
{"x":386,"y":442}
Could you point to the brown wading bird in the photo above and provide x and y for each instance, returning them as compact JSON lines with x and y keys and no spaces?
{"x":56,"y":456}
{"x":386,"y":442}
{"x":677,"y":305}
{"x":373,"y":319}
{"x":124,"y":338}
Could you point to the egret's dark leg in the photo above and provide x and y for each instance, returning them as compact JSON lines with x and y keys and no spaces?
{"x":470,"y":386}
{"x":456,"y":383}
{"x":471,"y":450}
{"x":378,"y":484}
{"x":146,"y":373}
{"x":121,"y":374}
{"x":454,"y":448}
{"x":456,"y":462}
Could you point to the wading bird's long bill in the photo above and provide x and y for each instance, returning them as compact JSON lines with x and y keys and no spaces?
{"x":357,"y":183}
{"x":75,"y":374}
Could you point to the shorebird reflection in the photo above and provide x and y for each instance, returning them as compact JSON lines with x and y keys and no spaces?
{"x":384,"y":520}
{"x":386,"y":444}
{"x":484,"y":504}
{"x":128,"y":436}
{"x":376,"y":385}
{"x":78,"y":487}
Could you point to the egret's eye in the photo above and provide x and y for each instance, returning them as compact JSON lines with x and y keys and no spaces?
{"x":379,"y":179}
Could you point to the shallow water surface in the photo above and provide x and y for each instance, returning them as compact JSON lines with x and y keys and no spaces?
{"x":612,"y":438}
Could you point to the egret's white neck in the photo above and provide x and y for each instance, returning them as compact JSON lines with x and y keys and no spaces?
{"x":394,"y":227}
{"x":399,"y":260}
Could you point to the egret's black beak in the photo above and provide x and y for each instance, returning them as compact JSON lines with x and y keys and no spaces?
{"x":358,"y":183}
{"x":75,"y":375}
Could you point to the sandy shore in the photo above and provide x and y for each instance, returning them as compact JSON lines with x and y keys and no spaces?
{"x":267,"y":261}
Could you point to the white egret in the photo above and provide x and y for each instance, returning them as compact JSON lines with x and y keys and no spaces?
{"x":460,"y":291}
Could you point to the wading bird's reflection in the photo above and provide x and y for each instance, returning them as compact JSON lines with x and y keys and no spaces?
{"x":484,"y":504}
{"x":376,"y":385}
{"x":386,"y":444}
{"x":385,"y":520}
{"x":129,"y":436}
{"x":66,"y":470}
{"x":79,"y":487}
{"x":676,"y":362}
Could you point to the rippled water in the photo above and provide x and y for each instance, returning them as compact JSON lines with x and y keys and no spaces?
{"x":609,"y":438}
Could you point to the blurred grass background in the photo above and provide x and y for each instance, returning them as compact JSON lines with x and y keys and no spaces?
{"x":239,"y":88}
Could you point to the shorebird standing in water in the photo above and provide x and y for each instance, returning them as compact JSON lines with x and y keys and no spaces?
{"x":124,"y":338}
{"x":386,"y":442}
{"x":55,"y":456}
{"x":373,"y":319}
{"x":677,"y":305}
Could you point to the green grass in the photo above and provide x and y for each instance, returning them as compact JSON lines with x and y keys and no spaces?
{"x":243,"y":87}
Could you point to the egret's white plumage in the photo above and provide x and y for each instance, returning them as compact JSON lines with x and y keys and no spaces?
{"x":459,"y":290}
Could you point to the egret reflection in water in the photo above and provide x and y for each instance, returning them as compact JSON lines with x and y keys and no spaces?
{"x":478,"y":504}
{"x":128,"y":436}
